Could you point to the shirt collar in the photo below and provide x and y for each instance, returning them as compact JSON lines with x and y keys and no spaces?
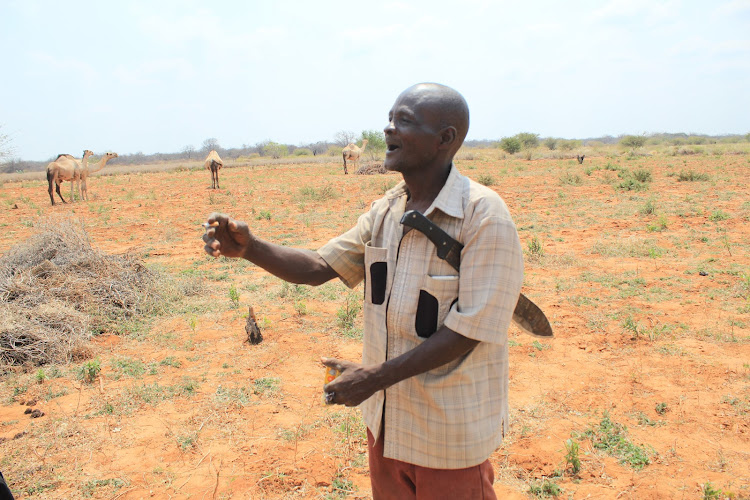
{"x":449,"y":199}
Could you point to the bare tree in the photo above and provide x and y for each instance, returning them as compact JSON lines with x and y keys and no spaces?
{"x":212,"y":143}
{"x":6,"y":148}
{"x":189,"y":151}
{"x":344,"y":138}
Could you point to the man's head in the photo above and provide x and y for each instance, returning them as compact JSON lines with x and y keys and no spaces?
{"x":426,"y":126}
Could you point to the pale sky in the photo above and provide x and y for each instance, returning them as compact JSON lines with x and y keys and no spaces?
{"x":156,"y":76}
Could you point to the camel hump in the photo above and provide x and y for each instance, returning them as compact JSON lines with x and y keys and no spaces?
{"x":65,"y":155}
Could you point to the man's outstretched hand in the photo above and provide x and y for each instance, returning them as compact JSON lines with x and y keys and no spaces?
{"x":230,"y":238}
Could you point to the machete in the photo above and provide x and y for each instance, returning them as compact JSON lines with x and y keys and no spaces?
{"x":527,"y":315}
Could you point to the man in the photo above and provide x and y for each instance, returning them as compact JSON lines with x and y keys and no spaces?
{"x":433,"y":382}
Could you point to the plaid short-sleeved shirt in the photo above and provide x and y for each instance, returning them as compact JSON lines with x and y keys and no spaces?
{"x":454,"y":416}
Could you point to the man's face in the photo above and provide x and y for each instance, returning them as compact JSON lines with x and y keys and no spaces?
{"x":412,"y":135}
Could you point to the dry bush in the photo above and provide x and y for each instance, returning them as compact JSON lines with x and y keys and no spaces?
{"x":371,"y":168}
{"x":56,"y":290}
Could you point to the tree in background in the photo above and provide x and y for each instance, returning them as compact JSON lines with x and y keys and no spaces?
{"x":528,"y":140}
{"x":189,"y":151}
{"x":510,"y":145}
{"x":344,"y":138}
{"x":375,"y":143}
{"x":570,"y":144}
{"x":212,"y":143}
{"x":275,"y":150}
{"x":6,"y":148}
{"x":633,"y":141}
{"x":551,"y":143}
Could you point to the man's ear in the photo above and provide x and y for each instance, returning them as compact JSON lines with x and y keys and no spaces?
{"x":448,"y":137}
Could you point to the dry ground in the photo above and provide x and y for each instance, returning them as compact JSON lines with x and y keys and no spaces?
{"x":648,"y":292}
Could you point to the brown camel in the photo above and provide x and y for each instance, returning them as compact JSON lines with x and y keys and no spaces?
{"x":352,"y":152}
{"x":64,"y":168}
{"x":86,"y":171}
{"x":213,"y":164}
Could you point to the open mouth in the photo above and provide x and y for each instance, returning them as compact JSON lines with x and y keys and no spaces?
{"x":392,"y":147}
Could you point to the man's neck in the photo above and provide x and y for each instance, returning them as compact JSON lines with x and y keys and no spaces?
{"x":424,"y":187}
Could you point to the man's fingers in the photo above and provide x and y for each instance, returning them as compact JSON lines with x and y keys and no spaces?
{"x":332,"y":363}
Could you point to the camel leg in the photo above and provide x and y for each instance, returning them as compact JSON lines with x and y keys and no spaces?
{"x":217,"y":179}
{"x":345,"y":171}
{"x":59,"y":193}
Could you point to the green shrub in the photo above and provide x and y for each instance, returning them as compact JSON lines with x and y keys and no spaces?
{"x":89,"y":370}
{"x":642,"y":175}
{"x":631,"y":184}
{"x":275,"y":150}
{"x":486,"y":180}
{"x":510,"y":145}
{"x":633,"y":141}
{"x":691,"y":176}
{"x":528,"y":140}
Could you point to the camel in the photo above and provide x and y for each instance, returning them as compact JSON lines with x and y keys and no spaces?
{"x":65,"y":168}
{"x":214,"y":163}
{"x":86,"y":171}
{"x":352,"y":152}
{"x":580,"y":158}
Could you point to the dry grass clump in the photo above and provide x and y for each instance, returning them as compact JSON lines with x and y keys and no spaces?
{"x":56,"y":291}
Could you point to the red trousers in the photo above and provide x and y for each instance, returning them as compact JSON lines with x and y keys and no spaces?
{"x":396,"y":480}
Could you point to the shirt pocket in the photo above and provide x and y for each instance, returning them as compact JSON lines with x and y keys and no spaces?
{"x":376,"y":273}
{"x":436,"y":297}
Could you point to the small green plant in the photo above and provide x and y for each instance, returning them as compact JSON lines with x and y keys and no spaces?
{"x":300,"y":307}
{"x":347,"y":313}
{"x":711,"y":493}
{"x":40,"y":376}
{"x":659,"y":225}
{"x":642,"y":175}
{"x":89,"y":371}
{"x":234,"y":297}
{"x":127,"y":367}
{"x":691,"y":176}
{"x":571,"y":456}
{"x":486,"y":180}
{"x":266,"y":386}
{"x":630,"y":325}
{"x":187,"y":441}
{"x":611,"y":438}
{"x":171,"y":361}
{"x":535,"y":248}
{"x":540,"y":347}
{"x":648,"y":208}
{"x":544,"y":488}
{"x":264,"y":214}
{"x":631,"y":184}
{"x":571,"y":179}
{"x":661,"y":408}
{"x":718,"y":215}
{"x":193,"y":322}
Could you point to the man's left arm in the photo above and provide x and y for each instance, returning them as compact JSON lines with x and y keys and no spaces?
{"x":357,"y":382}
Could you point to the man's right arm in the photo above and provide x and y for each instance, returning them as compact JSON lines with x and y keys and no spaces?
{"x":233,"y":238}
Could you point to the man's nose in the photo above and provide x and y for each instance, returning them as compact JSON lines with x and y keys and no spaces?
{"x":389,"y":128}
